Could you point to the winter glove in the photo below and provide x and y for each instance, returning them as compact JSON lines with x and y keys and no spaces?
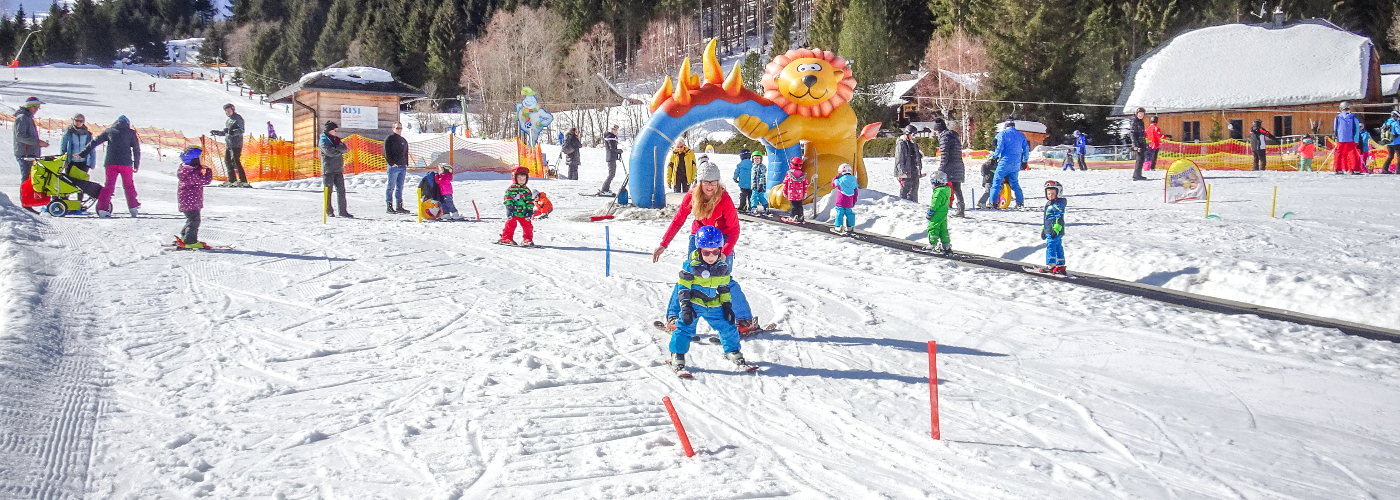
{"x":930,"y":214}
{"x":216,"y":132}
{"x":728,"y":313}
{"x":1042,"y":234}
{"x":1057,"y":228}
{"x":687,"y":313}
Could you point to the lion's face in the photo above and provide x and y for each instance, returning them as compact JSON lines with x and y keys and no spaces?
{"x":809,"y":82}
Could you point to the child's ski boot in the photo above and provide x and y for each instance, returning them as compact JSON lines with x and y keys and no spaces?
{"x":738,"y":359}
{"x":677,"y":364}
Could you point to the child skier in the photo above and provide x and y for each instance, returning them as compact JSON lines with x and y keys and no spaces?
{"x":192,"y":177}
{"x":847,"y":190}
{"x":938,"y":241}
{"x":1052,"y":229}
{"x":703,"y":292}
{"x":795,"y":187}
{"x":759,"y":185}
{"x":989,"y":169}
{"x":1305,"y":154}
{"x":444,"y":185}
{"x":520,"y":205}
{"x":743,"y":176}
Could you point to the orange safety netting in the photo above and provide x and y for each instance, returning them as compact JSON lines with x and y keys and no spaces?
{"x":1227,"y":155}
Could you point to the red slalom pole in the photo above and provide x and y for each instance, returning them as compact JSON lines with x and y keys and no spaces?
{"x":478,"y":211}
{"x":933,"y":386}
{"x":680,"y":429}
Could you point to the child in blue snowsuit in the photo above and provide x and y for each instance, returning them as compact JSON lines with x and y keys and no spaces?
{"x":758,"y":183}
{"x":1052,"y":228}
{"x":703,"y":292}
{"x":743,"y":176}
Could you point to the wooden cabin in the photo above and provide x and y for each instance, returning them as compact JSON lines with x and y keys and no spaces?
{"x":1212,"y":83}
{"x":361,"y":101}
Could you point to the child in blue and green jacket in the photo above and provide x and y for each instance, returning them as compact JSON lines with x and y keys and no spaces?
{"x":758,"y":196}
{"x":703,"y":292}
{"x":1052,"y":228}
{"x":743,"y":176}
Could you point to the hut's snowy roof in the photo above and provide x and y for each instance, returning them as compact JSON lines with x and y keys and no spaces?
{"x":1243,"y":66}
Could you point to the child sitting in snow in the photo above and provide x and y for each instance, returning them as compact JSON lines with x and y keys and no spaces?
{"x":444,"y":184}
{"x":192,"y":177}
{"x":847,"y":190}
{"x":703,"y":292}
{"x":520,"y":206}
{"x":938,"y":241}
{"x":795,"y":187}
{"x":759,"y":196}
{"x":1052,"y":228}
{"x":1306,"y":151}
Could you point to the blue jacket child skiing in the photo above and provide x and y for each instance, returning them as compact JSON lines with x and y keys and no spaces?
{"x":759,"y":184}
{"x":1052,"y":228}
{"x":703,"y":292}
{"x":743,"y":176}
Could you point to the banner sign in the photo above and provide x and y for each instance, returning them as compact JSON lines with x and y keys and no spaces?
{"x":359,"y":117}
{"x":1184,"y":181}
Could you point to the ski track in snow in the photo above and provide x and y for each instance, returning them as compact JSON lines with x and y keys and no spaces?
{"x":380,"y":358}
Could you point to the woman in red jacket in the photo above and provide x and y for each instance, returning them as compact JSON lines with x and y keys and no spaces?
{"x":710,"y":205}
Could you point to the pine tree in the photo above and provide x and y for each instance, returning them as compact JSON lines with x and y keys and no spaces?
{"x":911,"y":23}
{"x":782,"y":27}
{"x":445,"y":43}
{"x":213,"y":51}
{"x":376,"y":46}
{"x":865,"y":42}
{"x":752,"y":72}
{"x":413,"y":40}
{"x":827,"y":17}
{"x":341,"y":22}
{"x":1037,"y":61}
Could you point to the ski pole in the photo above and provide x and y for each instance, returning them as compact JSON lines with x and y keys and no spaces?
{"x":420,"y":206}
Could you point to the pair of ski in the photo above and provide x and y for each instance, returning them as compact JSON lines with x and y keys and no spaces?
{"x":931,"y":251}
{"x":514,"y":244}
{"x":207,"y":248}
{"x":1045,"y":270}
{"x":714,"y":340}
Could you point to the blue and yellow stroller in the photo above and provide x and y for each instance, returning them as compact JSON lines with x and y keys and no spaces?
{"x":66,"y":184}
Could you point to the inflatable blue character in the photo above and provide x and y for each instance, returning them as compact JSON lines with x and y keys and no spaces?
{"x":533,"y":119}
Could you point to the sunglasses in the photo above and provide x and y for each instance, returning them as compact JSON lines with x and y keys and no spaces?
{"x":706,"y":252}
{"x":77,"y":121}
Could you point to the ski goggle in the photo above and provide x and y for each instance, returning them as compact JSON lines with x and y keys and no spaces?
{"x":706,"y":252}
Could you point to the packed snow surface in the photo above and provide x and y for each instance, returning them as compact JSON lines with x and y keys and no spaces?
{"x":1240,"y":66}
{"x":383,"y":358}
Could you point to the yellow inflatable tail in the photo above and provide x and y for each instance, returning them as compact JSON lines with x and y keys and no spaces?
{"x":866,"y":134}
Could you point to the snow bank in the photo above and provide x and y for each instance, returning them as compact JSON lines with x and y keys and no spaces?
{"x":20,"y":287}
{"x":356,"y":74}
{"x":1242,"y":66}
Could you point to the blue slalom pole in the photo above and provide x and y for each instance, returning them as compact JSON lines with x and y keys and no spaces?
{"x":607,"y":252}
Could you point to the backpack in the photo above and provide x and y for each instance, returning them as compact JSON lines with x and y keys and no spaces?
{"x":1388,"y":132}
{"x":429,"y":188}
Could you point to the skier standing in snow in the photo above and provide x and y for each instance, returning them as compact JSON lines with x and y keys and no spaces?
{"x":704,"y":290}
{"x":1052,"y":228}
{"x":1258,"y":146}
{"x":396,"y":156}
{"x":572,"y":147}
{"x":614,"y":154}
{"x":76,"y":138}
{"x":271,"y":131}
{"x":1081,"y":147}
{"x":680,"y":168}
{"x":333,"y":168}
{"x":908,"y":164}
{"x":1306,"y":151}
{"x":795,"y":187}
{"x":938,"y":240}
{"x":743,"y":176}
{"x":1392,"y":147}
{"x":847,"y":191}
{"x":520,"y":206}
{"x":758,"y":180}
{"x":27,"y":141}
{"x":192,"y":176}
{"x":1012,"y":151}
{"x":950,"y":160}
{"x":709,"y":203}
{"x":1153,"y":135}
{"x":1346,"y":125}
{"x":1139,"y":141}
{"x":233,"y":152}
{"x":123,"y":160}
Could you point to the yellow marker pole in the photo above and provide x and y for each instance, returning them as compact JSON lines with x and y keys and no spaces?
{"x":1207,"y":200}
{"x":325,"y":204}
{"x":1273,"y":207}
{"x":420,"y":205}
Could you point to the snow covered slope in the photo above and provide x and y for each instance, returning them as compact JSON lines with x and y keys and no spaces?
{"x":381,"y":358}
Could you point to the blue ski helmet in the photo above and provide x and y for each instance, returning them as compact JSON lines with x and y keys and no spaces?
{"x":190,"y":154}
{"x":709,"y":237}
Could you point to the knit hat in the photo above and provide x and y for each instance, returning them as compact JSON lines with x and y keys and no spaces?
{"x":911,"y":129}
{"x":330,"y":125}
{"x":745,"y":154}
{"x":939,"y":125}
{"x":707,"y":171}
{"x":32,"y":101}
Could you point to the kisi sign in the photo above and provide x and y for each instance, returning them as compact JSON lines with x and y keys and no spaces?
{"x":361,"y":117}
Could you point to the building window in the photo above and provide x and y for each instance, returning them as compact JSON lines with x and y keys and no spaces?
{"x":1283,"y":125}
{"x":1237,"y":130}
{"x":1191,"y":131}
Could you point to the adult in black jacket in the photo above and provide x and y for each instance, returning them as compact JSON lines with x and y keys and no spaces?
{"x":908,"y":164}
{"x":1258,"y":146}
{"x":613,"y":154}
{"x":233,"y":152}
{"x":950,"y":160}
{"x":123,"y":160}
{"x":571,"y":148}
{"x":1139,"y":138}
{"x":396,"y":156}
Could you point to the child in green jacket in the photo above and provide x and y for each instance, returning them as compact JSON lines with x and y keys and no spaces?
{"x":938,"y":215}
{"x":520,"y":206}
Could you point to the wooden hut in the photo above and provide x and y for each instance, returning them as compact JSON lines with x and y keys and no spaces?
{"x":360,"y":100}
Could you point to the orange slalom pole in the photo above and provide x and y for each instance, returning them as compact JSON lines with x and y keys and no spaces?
{"x":680,"y":429}
{"x":933,"y":387}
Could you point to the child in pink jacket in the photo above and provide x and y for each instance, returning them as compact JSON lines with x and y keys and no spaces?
{"x":795,"y":188}
{"x":444,"y":181}
{"x":192,"y":177}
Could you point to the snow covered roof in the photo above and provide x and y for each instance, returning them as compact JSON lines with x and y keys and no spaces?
{"x":1390,"y":69}
{"x":1243,"y":66}
{"x":354,"y":80}
{"x":897,"y":89}
{"x":1025,"y":126}
{"x":970,"y":81}
{"x":1390,"y":85}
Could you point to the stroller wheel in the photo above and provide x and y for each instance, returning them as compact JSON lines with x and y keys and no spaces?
{"x":58,"y":208}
